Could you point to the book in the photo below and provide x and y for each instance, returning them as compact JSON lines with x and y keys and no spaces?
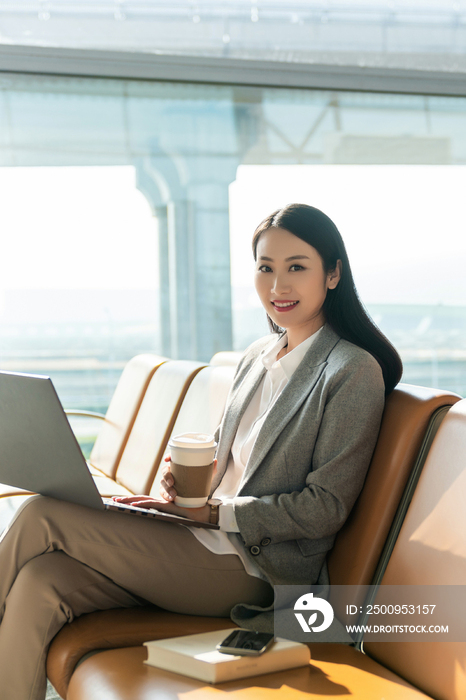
{"x":195,"y":655}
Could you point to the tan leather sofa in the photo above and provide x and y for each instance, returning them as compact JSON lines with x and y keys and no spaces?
{"x":174,"y":396}
{"x":430,"y":550}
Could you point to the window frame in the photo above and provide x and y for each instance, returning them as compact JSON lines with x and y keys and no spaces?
{"x":226,"y":71}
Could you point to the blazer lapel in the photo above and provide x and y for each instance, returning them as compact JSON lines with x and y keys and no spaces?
{"x":292,"y":397}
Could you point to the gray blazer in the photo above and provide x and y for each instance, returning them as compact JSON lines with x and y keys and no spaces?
{"x":310,"y":458}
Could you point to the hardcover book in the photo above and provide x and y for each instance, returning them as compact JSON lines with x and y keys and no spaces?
{"x":195,"y":655}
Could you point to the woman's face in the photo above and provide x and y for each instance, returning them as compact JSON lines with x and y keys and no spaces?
{"x":291,"y":282}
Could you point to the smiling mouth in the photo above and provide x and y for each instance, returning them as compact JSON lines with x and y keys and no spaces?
{"x":284,"y":305}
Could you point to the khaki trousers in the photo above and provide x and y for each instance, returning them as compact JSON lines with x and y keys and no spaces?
{"x":59,"y":560}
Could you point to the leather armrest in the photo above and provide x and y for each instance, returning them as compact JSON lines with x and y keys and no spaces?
{"x":84,"y":414}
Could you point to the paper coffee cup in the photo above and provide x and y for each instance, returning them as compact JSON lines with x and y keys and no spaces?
{"x":192,"y":464}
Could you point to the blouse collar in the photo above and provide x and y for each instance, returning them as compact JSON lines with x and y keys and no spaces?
{"x":289,"y":362}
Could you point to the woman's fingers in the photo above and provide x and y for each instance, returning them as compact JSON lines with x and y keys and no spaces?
{"x":149,"y":502}
{"x":142,"y":501}
{"x":167,"y":478}
{"x":167,"y":491}
{"x":167,"y":481}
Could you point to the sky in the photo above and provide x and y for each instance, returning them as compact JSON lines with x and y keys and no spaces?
{"x":90,"y":228}
{"x":75,"y":228}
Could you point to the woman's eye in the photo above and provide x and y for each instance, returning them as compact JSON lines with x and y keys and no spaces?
{"x":264,"y":268}
{"x":295,"y":268}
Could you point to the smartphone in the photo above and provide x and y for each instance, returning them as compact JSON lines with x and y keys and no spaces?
{"x":245,"y":643}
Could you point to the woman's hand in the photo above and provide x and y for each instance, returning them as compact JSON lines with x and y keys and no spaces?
{"x":167,"y":490}
{"x":168,"y":494}
{"x":166,"y":484}
{"x":200,"y":514}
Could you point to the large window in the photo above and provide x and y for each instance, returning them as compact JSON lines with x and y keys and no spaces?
{"x":79,"y":277}
{"x":128,"y":208}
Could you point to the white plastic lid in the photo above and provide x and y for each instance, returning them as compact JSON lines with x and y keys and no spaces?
{"x":193,"y":440}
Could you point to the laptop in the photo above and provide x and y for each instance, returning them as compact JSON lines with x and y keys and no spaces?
{"x":39,"y":451}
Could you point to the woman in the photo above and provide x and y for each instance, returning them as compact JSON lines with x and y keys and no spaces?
{"x":298,"y":433}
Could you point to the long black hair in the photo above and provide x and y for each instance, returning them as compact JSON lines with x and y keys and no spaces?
{"x":342,"y":307}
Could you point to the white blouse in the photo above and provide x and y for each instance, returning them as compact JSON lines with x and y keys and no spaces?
{"x":279,"y":372}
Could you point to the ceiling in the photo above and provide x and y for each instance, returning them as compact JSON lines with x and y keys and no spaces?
{"x":413,"y":34}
